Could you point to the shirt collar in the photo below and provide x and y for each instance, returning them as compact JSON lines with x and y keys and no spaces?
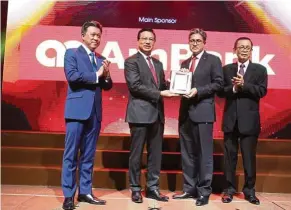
{"x":245,"y":63}
{"x":87,"y":49}
{"x":199,"y":55}
{"x":144,"y":55}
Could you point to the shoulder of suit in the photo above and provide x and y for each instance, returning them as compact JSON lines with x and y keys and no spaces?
{"x":156,"y":60}
{"x":185,"y":61}
{"x":258,"y":66}
{"x":98,"y":55}
{"x":71,"y":51}
{"x":228,"y":66}
{"x":211,"y":56}
{"x":131,"y":58}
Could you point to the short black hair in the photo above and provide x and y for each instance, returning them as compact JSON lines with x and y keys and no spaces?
{"x":87,"y":24}
{"x":145,"y":29}
{"x":198,"y":31}
{"x":242,"y":38}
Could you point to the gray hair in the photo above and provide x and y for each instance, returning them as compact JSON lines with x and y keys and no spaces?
{"x":198,"y":31}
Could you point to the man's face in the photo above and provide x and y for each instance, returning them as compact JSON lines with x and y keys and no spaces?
{"x":146,"y":42}
{"x":92,"y":37}
{"x":196,"y":44}
{"x":243,"y":50}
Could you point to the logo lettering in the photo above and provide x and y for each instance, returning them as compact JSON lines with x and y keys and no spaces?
{"x":112,"y":51}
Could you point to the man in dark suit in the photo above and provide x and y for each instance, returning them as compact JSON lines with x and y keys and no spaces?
{"x":145,"y":79}
{"x":245,"y":83}
{"x":87,"y":74}
{"x":197,"y":114}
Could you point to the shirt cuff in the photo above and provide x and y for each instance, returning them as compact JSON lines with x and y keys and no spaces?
{"x":233,"y":89}
{"x":97,"y":78}
{"x":107,"y":79}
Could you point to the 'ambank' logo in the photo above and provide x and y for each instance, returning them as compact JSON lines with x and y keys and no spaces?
{"x":112,"y":51}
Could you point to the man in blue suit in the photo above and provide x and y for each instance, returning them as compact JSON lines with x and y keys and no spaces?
{"x":87,"y":74}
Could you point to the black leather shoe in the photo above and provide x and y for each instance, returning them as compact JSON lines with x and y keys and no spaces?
{"x":226,"y":198}
{"x":91,"y":199}
{"x":68,"y":203}
{"x":202,"y":200}
{"x":253,"y":199}
{"x":155,"y":194}
{"x":184,"y":195}
{"x":136,"y":196}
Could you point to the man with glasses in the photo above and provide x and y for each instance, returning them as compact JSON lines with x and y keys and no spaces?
{"x":245,"y":83}
{"x":146,"y":83}
{"x":197,"y":114}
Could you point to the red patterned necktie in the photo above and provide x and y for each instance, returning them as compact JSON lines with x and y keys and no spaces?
{"x":152,"y":68}
{"x":194,"y":59}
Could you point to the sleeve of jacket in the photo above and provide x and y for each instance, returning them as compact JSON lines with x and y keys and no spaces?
{"x":216,"y":80}
{"x":227,"y":90}
{"x":135,"y":86}
{"x":73,"y":75}
{"x":259,"y":89}
{"x":105,"y":83}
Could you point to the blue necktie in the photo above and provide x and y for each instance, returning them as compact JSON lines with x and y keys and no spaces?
{"x":94,"y":65}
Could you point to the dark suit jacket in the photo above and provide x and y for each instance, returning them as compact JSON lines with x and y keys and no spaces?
{"x":82,"y":88}
{"x":145,"y":104}
{"x":243,"y":106}
{"x":208,"y":79}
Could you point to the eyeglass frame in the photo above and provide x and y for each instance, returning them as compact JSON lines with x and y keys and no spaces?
{"x":144,"y":39}
{"x":241,"y":48}
{"x":197,"y":41}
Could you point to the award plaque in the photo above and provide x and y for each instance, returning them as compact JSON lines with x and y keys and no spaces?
{"x":181,"y":82}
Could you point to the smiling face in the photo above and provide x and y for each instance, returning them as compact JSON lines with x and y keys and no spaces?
{"x":196,"y":43}
{"x":92,"y":37}
{"x":243,"y":50}
{"x":146,"y":42}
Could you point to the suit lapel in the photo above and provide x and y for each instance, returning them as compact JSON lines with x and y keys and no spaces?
{"x":201,"y":62}
{"x":99,"y":60}
{"x":157,"y":70}
{"x":146,"y":67}
{"x":85,"y":58}
{"x":234,"y":69}
{"x":249,"y":71}
{"x":187,"y":64}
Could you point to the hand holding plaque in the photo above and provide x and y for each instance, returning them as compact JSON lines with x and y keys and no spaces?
{"x":181,"y":82}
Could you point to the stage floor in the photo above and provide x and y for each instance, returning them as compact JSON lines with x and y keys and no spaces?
{"x":15,"y":197}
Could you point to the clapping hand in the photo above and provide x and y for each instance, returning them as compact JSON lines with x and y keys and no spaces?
{"x":238,"y":81}
{"x":105,"y":64}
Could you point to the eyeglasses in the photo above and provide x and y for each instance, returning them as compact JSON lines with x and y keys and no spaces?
{"x":245,"y":48}
{"x":197,"y":41}
{"x":144,"y":39}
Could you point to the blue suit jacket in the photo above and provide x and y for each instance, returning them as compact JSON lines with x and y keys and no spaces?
{"x":83,"y":91}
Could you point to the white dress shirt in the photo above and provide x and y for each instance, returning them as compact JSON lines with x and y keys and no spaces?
{"x":90,"y":58}
{"x":197,"y":60}
{"x":245,"y":69}
{"x":145,"y":57}
{"x":246,"y":65}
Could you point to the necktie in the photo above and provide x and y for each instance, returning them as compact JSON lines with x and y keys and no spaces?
{"x":241,"y":69}
{"x":94,"y":65}
{"x":152,"y":68}
{"x":192,"y":67}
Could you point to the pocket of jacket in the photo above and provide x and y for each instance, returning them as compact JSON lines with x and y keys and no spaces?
{"x":75,"y":95}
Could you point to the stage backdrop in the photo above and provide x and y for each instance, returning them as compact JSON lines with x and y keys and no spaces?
{"x":34,"y":85}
